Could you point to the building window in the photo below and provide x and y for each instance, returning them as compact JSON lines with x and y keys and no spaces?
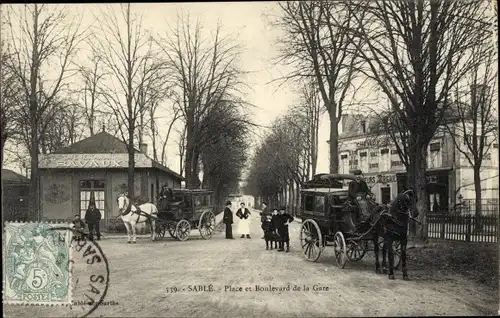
{"x":396,"y":163}
{"x":385,"y":161}
{"x":373,"y":165}
{"x":373,"y":154}
{"x":434,"y":155}
{"x":87,"y":187}
{"x":363,"y":161}
{"x":363,"y":126}
{"x":394,"y":152}
{"x":344,"y":163}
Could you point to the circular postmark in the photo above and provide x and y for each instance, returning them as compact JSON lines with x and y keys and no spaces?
{"x":89,"y":269}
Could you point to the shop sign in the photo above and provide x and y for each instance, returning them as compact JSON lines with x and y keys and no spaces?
{"x":82,"y":161}
{"x":385,"y":178}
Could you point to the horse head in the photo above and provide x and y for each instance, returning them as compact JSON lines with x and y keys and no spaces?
{"x":123,"y":204}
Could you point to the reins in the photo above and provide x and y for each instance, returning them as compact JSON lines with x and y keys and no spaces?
{"x":139,"y":213}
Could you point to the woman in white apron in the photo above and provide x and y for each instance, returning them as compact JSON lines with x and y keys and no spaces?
{"x":244,"y":224}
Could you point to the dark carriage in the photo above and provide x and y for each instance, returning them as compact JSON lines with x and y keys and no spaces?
{"x":323,"y":212}
{"x":188,"y":209}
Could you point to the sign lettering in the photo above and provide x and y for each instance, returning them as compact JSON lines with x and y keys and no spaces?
{"x":92,"y":161}
{"x":386,"y":178}
{"x":371,"y":143}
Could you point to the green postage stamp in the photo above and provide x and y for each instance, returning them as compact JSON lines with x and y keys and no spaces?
{"x":37,"y":264}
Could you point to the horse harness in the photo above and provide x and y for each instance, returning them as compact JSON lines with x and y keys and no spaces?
{"x":138,"y":211}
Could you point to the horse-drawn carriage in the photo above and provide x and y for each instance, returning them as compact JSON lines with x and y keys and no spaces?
{"x":188,"y":209}
{"x":325,"y":217}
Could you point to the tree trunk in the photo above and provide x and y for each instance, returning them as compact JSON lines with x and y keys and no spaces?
{"x":477,"y":188}
{"x":34,"y":182}
{"x":131,"y":162}
{"x":418,"y":181}
{"x":334,"y":146}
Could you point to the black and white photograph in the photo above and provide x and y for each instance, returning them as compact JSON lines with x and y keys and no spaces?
{"x":330,"y":158}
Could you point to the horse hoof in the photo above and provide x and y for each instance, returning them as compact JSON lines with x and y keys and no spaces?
{"x":405,"y":277}
{"x":385,"y":271}
{"x":129,"y":242}
{"x":377,"y":271}
{"x":134,"y":242}
{"x":391,"y":277}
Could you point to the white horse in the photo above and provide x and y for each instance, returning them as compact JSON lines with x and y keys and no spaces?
{"x":132,"y":215}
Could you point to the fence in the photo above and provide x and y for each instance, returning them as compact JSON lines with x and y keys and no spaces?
{"x":468,"y":206}
{"x":460,"y":227}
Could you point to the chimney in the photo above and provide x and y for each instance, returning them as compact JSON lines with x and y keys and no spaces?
{"x":144,"y":148}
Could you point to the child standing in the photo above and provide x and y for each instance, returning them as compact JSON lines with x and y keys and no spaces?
{"x":79,"y":226}
{"x":267,"y":226}
{"x":275,"y":221}
{"x":284,"y":220}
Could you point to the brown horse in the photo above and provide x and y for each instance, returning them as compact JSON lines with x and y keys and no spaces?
{"x":393,"y":226}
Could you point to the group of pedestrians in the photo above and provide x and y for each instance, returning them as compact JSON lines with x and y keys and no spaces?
{"x":274,"y":225}
{"x":243,"y":225}
{"x":92,"y":218}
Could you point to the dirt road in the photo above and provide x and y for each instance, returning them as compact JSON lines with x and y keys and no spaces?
{"x":158,"y":279}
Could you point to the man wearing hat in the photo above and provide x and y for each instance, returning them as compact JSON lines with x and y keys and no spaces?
{"x":228,"y":220}
{"x":93,"y":218}
{"x":359,"y":188}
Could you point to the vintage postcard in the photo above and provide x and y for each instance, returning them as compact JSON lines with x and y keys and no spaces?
{"x":329,"y":158}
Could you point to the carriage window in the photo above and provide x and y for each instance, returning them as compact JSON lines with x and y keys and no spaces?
{"x":207,"y":202}
{"x":319,"y":204}
{"x":309,"y":203}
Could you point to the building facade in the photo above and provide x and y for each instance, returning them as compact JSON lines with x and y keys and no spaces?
{"x":97,"y":166}
{"x":449,"y":174}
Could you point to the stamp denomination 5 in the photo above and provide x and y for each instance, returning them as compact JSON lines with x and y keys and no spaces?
{"x":37,"y":264}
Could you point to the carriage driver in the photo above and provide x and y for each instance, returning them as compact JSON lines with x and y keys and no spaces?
{"x":357,"y":188}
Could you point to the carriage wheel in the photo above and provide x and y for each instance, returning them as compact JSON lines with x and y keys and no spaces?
{"x":207,"y":224}
{"x":311,"y":240}
{"x":183,"y":230}
{"x":340,"y":249}
{"x":171,"y":228}
{"x":356,"y":250}
{"x":396,"y":247}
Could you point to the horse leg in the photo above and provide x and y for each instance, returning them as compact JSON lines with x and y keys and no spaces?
{"x":127,"y":227}
{"x":388,"y":246}
{"x":134,"y":236}
{"x":384,"y":257}
{"x":404,"y":242}
{"x":153,"y":230}
{"x":376,"y":250}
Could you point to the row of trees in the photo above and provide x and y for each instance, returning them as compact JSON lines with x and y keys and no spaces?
{"x":63,"y":80}
{"x":288,"y":154}
{"x":417,"y":52}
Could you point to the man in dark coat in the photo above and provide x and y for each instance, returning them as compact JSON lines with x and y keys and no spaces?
{"x":93,"y":219}
{"x":263,"y":216}
{"x":228,"y":220}
{"x":359,"y":188}
{"x":284,"y":219}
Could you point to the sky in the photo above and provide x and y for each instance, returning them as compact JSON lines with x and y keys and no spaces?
{"x":245,"y":20}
